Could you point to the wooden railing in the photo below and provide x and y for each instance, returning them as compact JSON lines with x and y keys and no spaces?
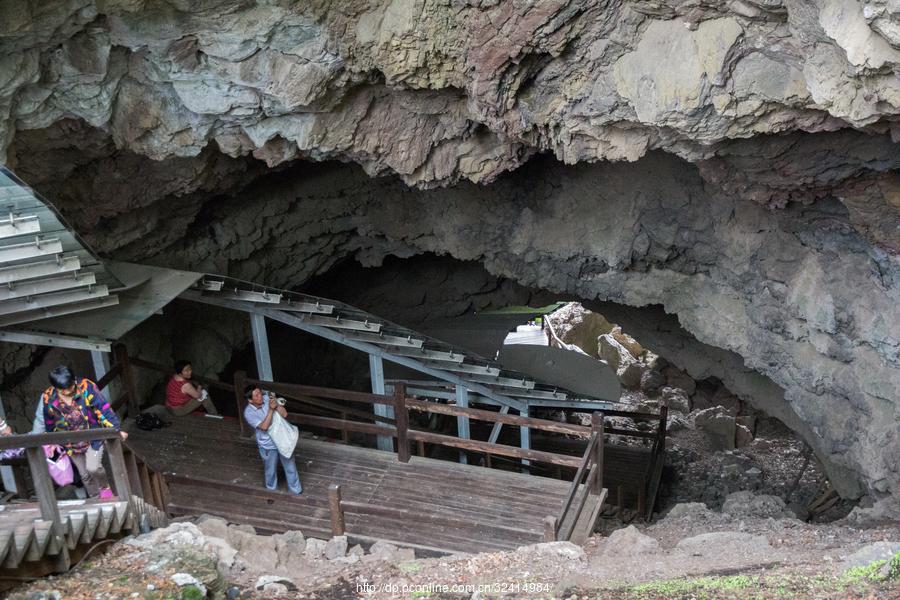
{"x":589,"y":478}
{"x":33,"y":444}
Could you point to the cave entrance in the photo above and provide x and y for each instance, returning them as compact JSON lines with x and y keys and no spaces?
{"x":724,"y":440}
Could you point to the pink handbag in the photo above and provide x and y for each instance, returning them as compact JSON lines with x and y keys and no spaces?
{"x":61,"y":467}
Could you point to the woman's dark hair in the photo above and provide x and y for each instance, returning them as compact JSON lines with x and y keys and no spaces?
{"x":248,"y":391}
{"x":180,"y":365}
{"x":61,"y":377}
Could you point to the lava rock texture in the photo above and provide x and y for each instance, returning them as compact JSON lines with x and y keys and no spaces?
{"x":746,"y":175}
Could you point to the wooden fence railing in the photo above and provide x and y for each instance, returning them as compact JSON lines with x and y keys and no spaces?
{"x":589,"y":478}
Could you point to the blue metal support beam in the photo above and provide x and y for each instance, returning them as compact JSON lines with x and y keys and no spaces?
{"x":376,"y":373}
{"x":525,"y":435}
{"x":261,"y":347}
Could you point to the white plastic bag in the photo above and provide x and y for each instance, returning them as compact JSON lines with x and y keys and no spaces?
{"x":284,"y":435}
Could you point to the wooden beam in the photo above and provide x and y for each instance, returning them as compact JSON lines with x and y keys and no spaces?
{"x":401,"y":415}
{"x":56,"y":438}
{"x":498,"y":449}
{"x":498,"y":417}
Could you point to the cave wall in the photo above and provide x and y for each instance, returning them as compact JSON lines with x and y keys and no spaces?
{"x":798,"y":293}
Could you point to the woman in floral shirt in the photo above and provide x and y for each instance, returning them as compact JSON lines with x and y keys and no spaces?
{"x":73,"y":404}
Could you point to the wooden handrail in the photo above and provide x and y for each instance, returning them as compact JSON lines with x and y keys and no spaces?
{"x":294,"y":389}
{"x":567,"y":534}
{"x":562,"y":460}
{"x":36,"y":440}
{"x":592,"y":462}
{"x":436,"y":438}
{"x":496,"y":417}
{"x":576,"y":481}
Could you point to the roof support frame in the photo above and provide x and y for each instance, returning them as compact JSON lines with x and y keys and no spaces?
{"x":298,"y":322}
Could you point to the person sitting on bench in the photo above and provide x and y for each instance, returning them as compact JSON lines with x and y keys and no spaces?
{"x":184,"y":396}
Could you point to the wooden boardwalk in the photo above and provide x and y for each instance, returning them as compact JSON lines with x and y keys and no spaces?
{"x":430,"y":504}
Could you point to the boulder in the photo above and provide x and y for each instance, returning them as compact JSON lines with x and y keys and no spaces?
{"x":748,"y":504}
{"x":615,"y":354}
{"x":677,"y":378}
{"x":356,"y":550}
{"x":748,"y":421}
{"x":742,"y":436}
{"x":256,"y":551}
{"x":629,"y":542}
{"x":336,"y":547}
{"x":212,"y":526}
{"x":630,"y":375}
{"x":315,"y":548}
{"x":630,"y":344}
{"x":383,"y":550}
{"x":577,"y":325}
{"x":290,"y":547}
{"x":676,"y":399}
{"x":718,"y":425}
{"x":652,"y":382}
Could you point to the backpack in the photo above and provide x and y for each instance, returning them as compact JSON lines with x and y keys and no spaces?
{"x":149,"y":422}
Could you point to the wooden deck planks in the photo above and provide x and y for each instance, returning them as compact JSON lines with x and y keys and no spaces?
{"x":211,"y":469}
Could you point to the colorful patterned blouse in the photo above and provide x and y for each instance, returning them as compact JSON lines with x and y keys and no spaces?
{"x":93,"y":412}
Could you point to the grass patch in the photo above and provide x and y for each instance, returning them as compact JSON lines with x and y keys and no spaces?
{"x":680,"y":587}
{"x":878,"y":571}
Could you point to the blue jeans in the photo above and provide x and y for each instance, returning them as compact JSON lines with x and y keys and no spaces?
{"x":270,"y":460}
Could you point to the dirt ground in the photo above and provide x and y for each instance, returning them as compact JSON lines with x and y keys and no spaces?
{"x":697,"y":553}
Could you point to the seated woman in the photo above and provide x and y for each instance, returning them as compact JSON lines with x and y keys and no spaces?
{"x":184,"y":396}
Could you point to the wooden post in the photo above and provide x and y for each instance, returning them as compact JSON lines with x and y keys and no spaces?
{"x":337,"y":513}
{"x":118,"y":471}
{"x":239,"y":378}
{"x":43,"y":487}
{"x":597,"y":427}
{"x":401,"y":417}
{"x":621,"y":502}
{"x":345,"y":435}
{"x":146,"y":486}
{"x":663,"y":423}
{"x":550,"y":529}
{"x":134,"y":403}
{"x":421,"y":447}
{"x":134,"y":478}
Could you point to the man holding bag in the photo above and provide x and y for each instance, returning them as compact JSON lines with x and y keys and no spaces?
{"x":263,"y":413}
